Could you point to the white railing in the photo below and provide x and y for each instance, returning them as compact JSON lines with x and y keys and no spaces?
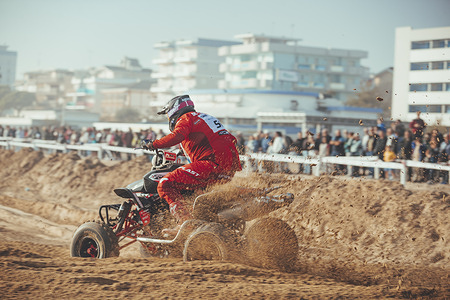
{"x":316,"y":163}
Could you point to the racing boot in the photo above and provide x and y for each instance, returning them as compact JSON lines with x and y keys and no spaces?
{"x":181,"y":214}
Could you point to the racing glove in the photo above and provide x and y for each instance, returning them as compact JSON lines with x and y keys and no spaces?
{"x":147,"y":145}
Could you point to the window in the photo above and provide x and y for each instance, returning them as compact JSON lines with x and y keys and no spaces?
{"x":436,"y":86}
{"x":321,"y":68}
{"x":447,"y":109}
{"x":425,"y":108}
{"x":439,"y":44}
{"x":304,"y":67}
{"x":418,"y":87}
{"x":249,"y":74}
{"x":419,"y":66}
{"x":420,"y":45}
{"x":437,"y":65}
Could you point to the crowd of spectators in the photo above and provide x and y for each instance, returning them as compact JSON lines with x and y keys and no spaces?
{"x":67,"y":135}
{"x":395,"y":142}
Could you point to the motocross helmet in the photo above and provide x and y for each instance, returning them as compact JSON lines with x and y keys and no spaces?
{"x":177,"y":107}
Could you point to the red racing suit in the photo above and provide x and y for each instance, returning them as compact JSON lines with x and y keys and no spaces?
{"x":211,"y":150}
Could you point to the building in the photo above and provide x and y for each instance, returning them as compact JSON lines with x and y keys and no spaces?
{"x":50,"y":86}
{"x":187,"y":64}
{"x":8,"y":62}
{"x":249,"y":110}
{"x":88,"y":84}
{"x":422,"y":75}
{"x":278,"y":63}
{"x":136,"y":96}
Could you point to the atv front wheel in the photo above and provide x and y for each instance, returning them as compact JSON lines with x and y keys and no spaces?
{"x":211,"y":241}
{"x":95,"y":240}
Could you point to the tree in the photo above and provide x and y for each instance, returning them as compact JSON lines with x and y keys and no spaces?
{"x":127,"y":114}
{"x":17,"y":100}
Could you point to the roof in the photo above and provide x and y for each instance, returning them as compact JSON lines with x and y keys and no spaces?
{"x":141,"y":85}
{"x":354,"y":108}
{"x":265,"y":38}
{"x":252,"y":91}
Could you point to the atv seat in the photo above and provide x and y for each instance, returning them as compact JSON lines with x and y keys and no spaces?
{"x":124,"y":192}
{"x":137,"y":186}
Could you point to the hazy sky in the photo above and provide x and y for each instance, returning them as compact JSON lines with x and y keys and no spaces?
{"x":86,"y":33}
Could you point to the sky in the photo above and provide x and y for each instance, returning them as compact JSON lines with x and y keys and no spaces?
{"x":75,"y":34}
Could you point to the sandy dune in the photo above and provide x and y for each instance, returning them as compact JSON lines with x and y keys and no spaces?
{"x":358,"y":238}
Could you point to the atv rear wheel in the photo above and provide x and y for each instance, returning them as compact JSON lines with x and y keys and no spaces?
{"x":95,"y":240}
{"x":271,"y":243}
{"x":211,"y":241}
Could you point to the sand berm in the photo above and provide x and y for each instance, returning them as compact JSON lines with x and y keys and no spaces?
{"x":358,"y":238}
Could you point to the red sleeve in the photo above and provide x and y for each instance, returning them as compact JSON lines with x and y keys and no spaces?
{"x":180,"y":133}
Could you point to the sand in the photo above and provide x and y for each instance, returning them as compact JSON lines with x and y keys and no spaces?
{"x":358,"y":238}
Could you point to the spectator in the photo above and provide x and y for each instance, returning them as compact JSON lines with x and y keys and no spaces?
{"x":337,"y":144}
{"x":398,"y":128}
{"x":404,"y":148}
{"x":445,"y":159}
{"x":348,"y":143}
{"x":389,"y":156}
{"x":337,"y":149}
{"x":439,"y":137}
{"x":240,"y":143}
{"x":264,"y":141}
{"x":277,"y":145}
{"x":356,"y":150}
{"x":380,"y":125}
{"x":392,"y":139}
{"x":432,"y":156}
{"x":160,"y":134}
{"x":297,"y":146}
{"x":417,"y":126}
{"x":380,"y":144}
{"x":308,"y":151}
{"x":418,"y":154}
{"x":252,"y":145}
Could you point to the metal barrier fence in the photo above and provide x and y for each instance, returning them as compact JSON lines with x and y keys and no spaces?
{"x":316,"y":163}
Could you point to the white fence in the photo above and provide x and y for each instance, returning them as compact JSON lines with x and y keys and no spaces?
{"x":316,"y":163}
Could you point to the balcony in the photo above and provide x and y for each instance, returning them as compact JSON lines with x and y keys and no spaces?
{"x":265,"y":65}
{"x":159,"y":89}
{"x":245,"y":83}
{"x":337,"y":69}
{"x":161,"y":75}
{"x":184,"y":74}
{"x":337,"y":86}
{"x":245,"y":66}
{"x":185,"y":59}
{"x":162,"y":61}
{"x":223,"y":67}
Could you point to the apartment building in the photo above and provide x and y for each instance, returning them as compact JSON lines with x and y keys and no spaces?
{"x":8,"y":62}
{"x":136,"y":96}
{"x":283,"y":64}
{"x":88,"y":84}
{"x":50,"y":86}
{"x":187,"y":64}
{"x":422,"y":75}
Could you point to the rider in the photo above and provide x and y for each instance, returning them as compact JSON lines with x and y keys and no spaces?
{"x":210,"y":148}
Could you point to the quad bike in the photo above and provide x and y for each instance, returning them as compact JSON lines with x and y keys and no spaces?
{"x":236,"y":230}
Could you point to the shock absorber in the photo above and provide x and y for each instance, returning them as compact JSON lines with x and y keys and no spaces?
{"x":124,"y":210}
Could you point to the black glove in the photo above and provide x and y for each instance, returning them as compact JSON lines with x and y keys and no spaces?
{"x":147,"y":145}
